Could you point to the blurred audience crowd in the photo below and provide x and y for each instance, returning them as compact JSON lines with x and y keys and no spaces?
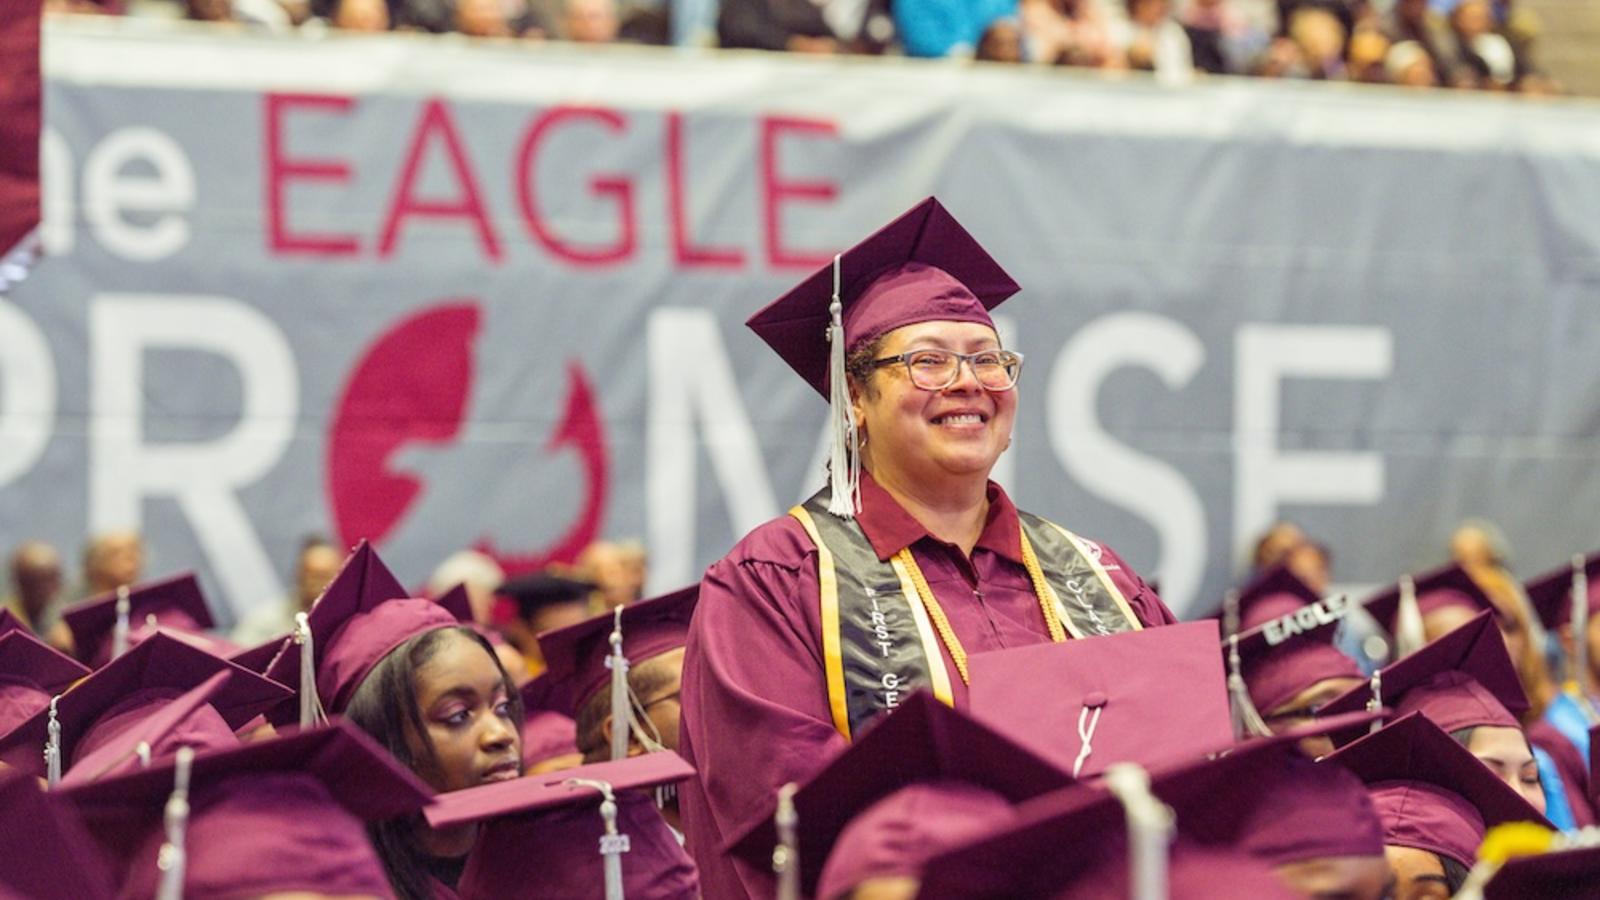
{"x":1465,"y":44}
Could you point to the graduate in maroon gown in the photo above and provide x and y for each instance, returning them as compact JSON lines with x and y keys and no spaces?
{"x":911,"y":559}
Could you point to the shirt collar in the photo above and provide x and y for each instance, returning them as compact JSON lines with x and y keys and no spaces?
{"x":890,"y":529}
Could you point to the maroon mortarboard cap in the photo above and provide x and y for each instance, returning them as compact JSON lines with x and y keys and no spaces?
{"x":362,"y":584}
{"x":149,"y":676}
{"x":576,"y":656}
{"x":546,"y":830}
{"x":153,"y":721}
{"x":545,"y":732}
{"x":31,"y":672}
{"x":1272,"y":593}
{"x":259,"y":658}
{"x":920,"y":741}
{"x":9,"y":623}
{"x":1153,"y":696}
{"x":1464,"y":679}
{"x":1448,"y":585}
{"x":1551,"y":593}
{"x":897,"y":835}
{"x":175,"y":603}
{"x":456,"y":602}
{"x":1073,"y":844}
{"x":1430,"y":792}
{"x":1594,"y":765}
{"x":278,"y":815}
{"x":1558,"y":875}
{"x":49,"y":854}
{"x":365,"y":639}
{"x":922,"y":267}
{"x":1281,"y":657}
{"x":1255,"y":797}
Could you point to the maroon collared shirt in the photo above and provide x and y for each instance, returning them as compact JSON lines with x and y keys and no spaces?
{"x":755,"y":700}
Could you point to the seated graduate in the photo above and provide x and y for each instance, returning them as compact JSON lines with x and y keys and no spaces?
{"x":432,"y":692}
{"x":277,"y":818}
{"x":107,"y":625}
{"x":1287,"y":663}
{"x":31,"y":672}
{"x":1562,"y":599}
{"x":1310,"y":825}
{"x":1435,"y":801}
{"x":884,"y":582}
{"x":587,"y":832}
{"x":584,"y":670}
{"x":66,"y":739}
{"x":1466,"y":685}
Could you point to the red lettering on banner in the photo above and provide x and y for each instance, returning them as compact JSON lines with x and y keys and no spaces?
{"x":684,"y":251}
{"x":618,"y":188}
{"x":776,"y":191}
{"x":468,"y":202}
{"x":282,"y":169}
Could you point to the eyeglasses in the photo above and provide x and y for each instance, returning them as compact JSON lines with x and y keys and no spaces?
{"x":936,"y":370}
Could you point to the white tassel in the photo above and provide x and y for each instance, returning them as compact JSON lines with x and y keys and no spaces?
{"x":1247,"y":721}
{"x":844,"y":462}
{"x":621,"y":707}
{"x":612,"y":843}
{"x":1408,"y":632}
{"x":1149,"y":829}
{"x":52,"y":746}
{"x":311,"y":711}
{"x":786,"y":855}
{"x":119,"y":631}
{"x":1375,"y":702}
{"x":1086,"y":728}
{"x":173,"y":856}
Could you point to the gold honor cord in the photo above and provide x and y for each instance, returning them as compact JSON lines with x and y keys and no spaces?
{"x":941,"y":623}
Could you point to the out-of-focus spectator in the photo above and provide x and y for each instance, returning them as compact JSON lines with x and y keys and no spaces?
{"x":589,"y":21}
{"x":35,"y":597}
{"x":1221,"y":38}
{"x":362,"y":15}
{"x":1484,"y":52}
{"x":1280,"y":59}
{"x":1412,"y":21}
{"x":111,"y":560}
{"x":1069,"y":33}
{"x":1284,"y":542}
{"x":478,"y":573}
{"x":482,"y":18}
{"x":1001,"y":42}
{"x":795,"y":25}
{"x":936,"y":28}
{"x":617,"y":570}
{"x":1320,"y":36}
{"x":1152,"y":41}
{"x":545,"y":601}
{"x":259,"y":13}
{"x":1410,"y":65}
{"x":1365,"y":58}
{"x":314,"y":566}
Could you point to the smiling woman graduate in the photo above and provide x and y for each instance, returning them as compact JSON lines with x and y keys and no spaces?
{"x":912,"y":559}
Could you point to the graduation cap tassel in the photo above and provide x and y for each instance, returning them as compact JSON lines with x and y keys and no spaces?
{"x":621,"y":707}
{"x":1149,"y":830}
{"x":1408,"y":633}
{"x":311,"y":712}
{"x":119,"y":631}
{"x":844,"y":461}
{"x":612,"y":843}
{"x":786,"y":855}
{"x":1247,"y":721}
{"x":1375,"y":702}
{"x":173,"y":857}
{"x":52,"y":746}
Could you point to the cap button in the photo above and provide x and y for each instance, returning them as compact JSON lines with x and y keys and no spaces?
{"x":1095,"y":699}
